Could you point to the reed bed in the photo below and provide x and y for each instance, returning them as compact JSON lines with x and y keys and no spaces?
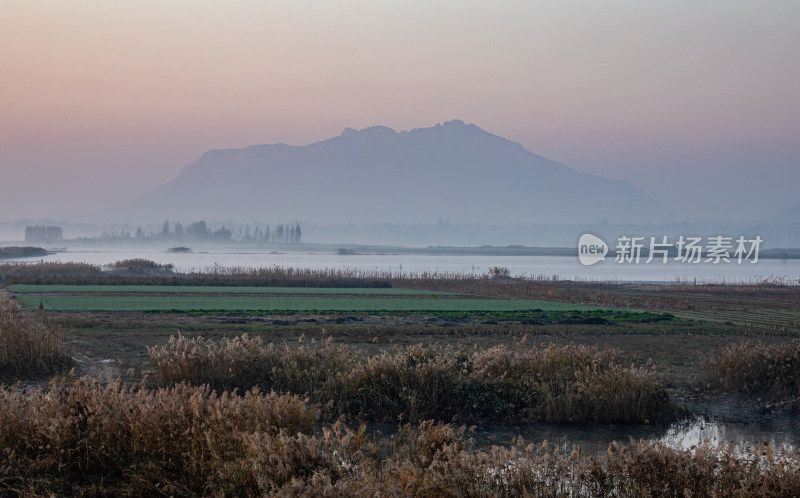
{"x":30,"y":346}
{"x":243,"y":362}
{"x":756,"y":368}
{"x":679,"y":295}
{"x":437,"y":460}
{"x":80,"y":438}
{"x":31,"y":271}
{"x":139,"y":266}
{"x":574,"y":384}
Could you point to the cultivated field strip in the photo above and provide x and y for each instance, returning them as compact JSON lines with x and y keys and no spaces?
{"x":217,"y":289}
{"x":58,"y":302}
{"x":764,"y":319}
{"x":770,"y":312}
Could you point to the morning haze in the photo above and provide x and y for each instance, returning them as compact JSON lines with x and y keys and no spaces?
{"x":240,"y":240}
{"x":693,"y":109}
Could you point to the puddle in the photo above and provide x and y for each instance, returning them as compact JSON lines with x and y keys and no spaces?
{"x":783,"y":435}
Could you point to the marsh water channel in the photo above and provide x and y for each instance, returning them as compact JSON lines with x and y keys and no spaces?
{"x":783,"y":434}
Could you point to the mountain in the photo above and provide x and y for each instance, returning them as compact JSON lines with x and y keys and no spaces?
{"x":453,"y":171}
{"x":791,"y":215}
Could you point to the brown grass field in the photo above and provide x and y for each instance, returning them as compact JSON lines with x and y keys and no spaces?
{"x":239,"y":404}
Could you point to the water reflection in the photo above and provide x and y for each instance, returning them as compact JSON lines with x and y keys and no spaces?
{"x":783,"y":435}
{"x":698,"y":431}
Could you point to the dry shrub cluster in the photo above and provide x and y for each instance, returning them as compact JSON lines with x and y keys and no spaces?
{"x":139,"y":266}
{"x":84,"y":439}
{"x":29,"y":345}
{"x":83,"y":436}
{"x":772,"y":370}
{"x":42,"y":272}
{"x":548,"y":384}
{"x":243,"y":362}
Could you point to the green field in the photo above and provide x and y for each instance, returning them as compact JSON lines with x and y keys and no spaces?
{"x":265,"y":299}
{"x":285,"y":303}
{"x":202,"y":289}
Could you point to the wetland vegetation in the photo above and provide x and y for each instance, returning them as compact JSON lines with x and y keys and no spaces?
{"x":293,"y":398}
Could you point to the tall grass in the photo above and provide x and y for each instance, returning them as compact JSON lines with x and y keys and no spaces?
{"x":243,"y":362}
{"x":79,"y":438}
{"x":551,"y":384}
{"x":35,"y":272}
{"x":185,"y":440}
{"x":30,"y":346}
{"x":756,"y":368}
{"x":139,"y":266}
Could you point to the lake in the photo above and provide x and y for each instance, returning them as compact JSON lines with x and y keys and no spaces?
{"x":520,"y":266}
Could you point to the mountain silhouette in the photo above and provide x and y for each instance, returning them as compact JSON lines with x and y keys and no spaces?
{"x":453,"y":171}
{"x":791,"y":215}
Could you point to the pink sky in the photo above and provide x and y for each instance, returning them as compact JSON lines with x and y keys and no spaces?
{"x":696,"y":103}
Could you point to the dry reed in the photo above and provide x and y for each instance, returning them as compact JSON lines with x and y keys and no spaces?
{"x":773,"y":370}
{"x":80,"y":436}
{"x":30,"y":346}
{"x":551,"y":384}
{"x":84,"y":439}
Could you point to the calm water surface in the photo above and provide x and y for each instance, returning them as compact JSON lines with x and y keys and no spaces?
{"x":682,"y":435}
{"x":524,"y":266}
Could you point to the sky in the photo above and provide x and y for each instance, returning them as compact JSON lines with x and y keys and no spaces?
{"x":697,"y":103}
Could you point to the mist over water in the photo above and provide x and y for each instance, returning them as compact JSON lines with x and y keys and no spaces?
{"x":561,"y":267}
{"x":406,"y":138}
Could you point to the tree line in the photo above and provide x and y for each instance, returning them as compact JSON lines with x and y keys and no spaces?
{"x":282,"y":233}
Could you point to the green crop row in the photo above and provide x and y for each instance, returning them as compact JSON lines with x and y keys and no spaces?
{"x":249,"y":303}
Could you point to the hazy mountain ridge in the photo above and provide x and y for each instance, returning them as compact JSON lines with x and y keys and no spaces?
{"x":791,"y":215}
{"x":452,"y":170}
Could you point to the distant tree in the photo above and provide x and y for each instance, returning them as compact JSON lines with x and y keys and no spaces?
{"x":297,"y":233}
{"x":43,"y":234}
{"x":197,"y":229}
{"x":267,"y":235}
{"x":139,"y":233}
{"x":222,"y":234}
{"x":178,"y":230}
{"x":279,"y":233}
{"x":165,"y":229}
